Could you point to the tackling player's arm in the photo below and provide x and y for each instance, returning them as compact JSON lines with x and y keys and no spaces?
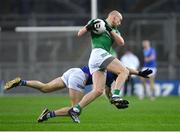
{"x":132,"y":71}
{"x":145,"y":73}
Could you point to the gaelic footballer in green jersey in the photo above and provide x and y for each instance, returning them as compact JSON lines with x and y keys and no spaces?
{"x":102,"y":60}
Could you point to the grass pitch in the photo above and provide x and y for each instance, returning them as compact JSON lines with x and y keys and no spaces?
{"x":20,"y":113}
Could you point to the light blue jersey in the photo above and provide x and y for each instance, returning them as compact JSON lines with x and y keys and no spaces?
{"x":147,"y":53}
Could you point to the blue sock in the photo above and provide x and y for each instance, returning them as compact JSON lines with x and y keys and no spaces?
{"x":23,"y":83}
{"x":51,"y":114}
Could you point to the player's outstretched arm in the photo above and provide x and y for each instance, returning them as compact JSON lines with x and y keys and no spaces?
{"x":144,"y":73}
{"x":132,"y":71}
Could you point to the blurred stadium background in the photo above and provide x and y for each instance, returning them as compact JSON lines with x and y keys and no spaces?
{"x":38,"y":37}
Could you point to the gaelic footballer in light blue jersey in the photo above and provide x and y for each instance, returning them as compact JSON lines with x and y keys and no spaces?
{"x":149,"y":62}
{"x":149,"y":57}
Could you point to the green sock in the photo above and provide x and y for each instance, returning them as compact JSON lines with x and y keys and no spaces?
{"x":116,"y":92}
{"x":77,"y":108}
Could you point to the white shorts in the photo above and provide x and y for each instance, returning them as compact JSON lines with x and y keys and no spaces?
{"x":97,"y":57}
{"x":75,"y":79}
{"x":154,"y":70}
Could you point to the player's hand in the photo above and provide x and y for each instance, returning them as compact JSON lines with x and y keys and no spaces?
{"x":90,"y":26}
{"x":145,"y":73}
{"x":108,"y":28}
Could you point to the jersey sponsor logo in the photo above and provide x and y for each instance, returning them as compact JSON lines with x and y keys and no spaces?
{"x":104,"y":54}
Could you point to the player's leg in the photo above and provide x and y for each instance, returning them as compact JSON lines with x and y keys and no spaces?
{"x":126,"y":87}
{"x":99,"y":80}
{"x":97,"y":57}
{"x":116,"y":67}
{"x":108,"y":93}
{"x":74,"y":79}
{"x":143,"y":82}
{"x":132,"y":79}
{"x":152,"y":83}
{"x":53,"y":85}
{"x":75,"y":97}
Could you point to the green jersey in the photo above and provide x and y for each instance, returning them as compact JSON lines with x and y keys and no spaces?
{"x":113,"y":52}
{"x":103,"y":40}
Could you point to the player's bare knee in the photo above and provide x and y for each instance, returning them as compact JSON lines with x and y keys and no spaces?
{"x":126,"y":72}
